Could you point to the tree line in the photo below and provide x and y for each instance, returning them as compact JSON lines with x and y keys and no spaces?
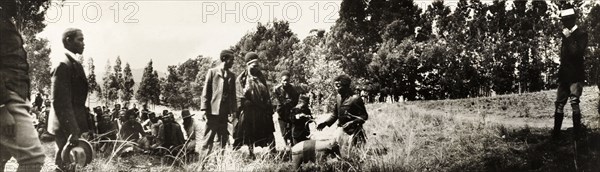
{"x":394,"y":48}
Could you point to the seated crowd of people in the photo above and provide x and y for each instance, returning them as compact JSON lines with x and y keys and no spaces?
{"x":144,"y":131}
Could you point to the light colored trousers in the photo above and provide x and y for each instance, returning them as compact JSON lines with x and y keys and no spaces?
{"x":25,"y":147}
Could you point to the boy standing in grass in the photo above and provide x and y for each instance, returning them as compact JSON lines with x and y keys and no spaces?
{"x":350,"y":112}
{"x":571,"y":72}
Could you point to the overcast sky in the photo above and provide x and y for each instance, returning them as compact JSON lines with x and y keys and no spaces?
{"x":169,"y":32}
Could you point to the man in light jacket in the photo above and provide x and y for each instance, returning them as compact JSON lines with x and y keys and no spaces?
{"x":218,"y":101}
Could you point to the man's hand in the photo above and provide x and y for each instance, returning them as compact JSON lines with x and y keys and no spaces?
{"x":7,"y":123}
{"x":73,"y":138}
{"x":566,"y":32}
{"x":321,"y":126}
{"x":230,"y":118}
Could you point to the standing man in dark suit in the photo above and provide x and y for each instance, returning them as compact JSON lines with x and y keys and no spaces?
{"x":571,"y":72}
{"x":18,"y":137}
{"x":218,"y":101}
{"x":69,"y":93}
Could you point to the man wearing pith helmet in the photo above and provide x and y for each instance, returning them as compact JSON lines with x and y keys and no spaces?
{"x":571,"y":72}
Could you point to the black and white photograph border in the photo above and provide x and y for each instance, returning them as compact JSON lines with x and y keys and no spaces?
{"x":308,"y":85}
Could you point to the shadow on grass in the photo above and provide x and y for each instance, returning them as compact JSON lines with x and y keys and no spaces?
{"x":535,"y":150}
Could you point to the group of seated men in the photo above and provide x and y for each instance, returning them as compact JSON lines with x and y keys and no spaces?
{"x":145,"y":131}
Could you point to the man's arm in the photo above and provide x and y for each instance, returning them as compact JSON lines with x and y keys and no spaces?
{"x":61,"y":89}
{"x":578,"y":44}
{"x":240,"y":96}
{"x":232,"y":87}
{"x":4,"y":98}
{"x":362,"y":110}
{"x":279,"y":100}
{"x":139,"y":129}
{"x":333,"y":117}
{"x":207,"y":92}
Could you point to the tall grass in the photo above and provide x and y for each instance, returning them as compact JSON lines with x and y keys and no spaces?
{"x":414,"y":136}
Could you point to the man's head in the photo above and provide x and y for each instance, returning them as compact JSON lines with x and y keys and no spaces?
{"x":227,"y":58}
{"x":131,"y":116}
{"x":568,"y":17}
{"x":72,"y":40}
{"x":285,"y":78}
{"x":123,"y":115}
{"x":170,"y":117}
{"x":186,"y":114}
{"x":152,"y":117}
{"x":252,"y":65}
{"x":342,"y":84}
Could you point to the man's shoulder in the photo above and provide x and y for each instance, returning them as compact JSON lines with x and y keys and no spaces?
{"x":579,"y":32}
{"x":212,"y":70}
{"x":354,"y":99}
{"x":60,"y":61}
{"x":278,"y":87}
{"x":229,"y":72}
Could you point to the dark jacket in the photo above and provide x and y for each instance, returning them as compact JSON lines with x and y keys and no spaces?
{"x":349,"y":109}
{"x":13,"y":61}
{"x":572,"y":50}
{"x":170,"y":134}
{"x":131,"y":130}
{"x":69,"y":93}
{"x":8,"y":8}
{"x":285,"y":99}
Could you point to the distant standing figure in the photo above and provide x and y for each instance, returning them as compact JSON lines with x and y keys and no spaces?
{"x":37,"y":104}
{"x":571,"y":72}
{"x":255,"y":116}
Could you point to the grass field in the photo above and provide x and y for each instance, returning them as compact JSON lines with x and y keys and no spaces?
{"x":502,"y":133}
